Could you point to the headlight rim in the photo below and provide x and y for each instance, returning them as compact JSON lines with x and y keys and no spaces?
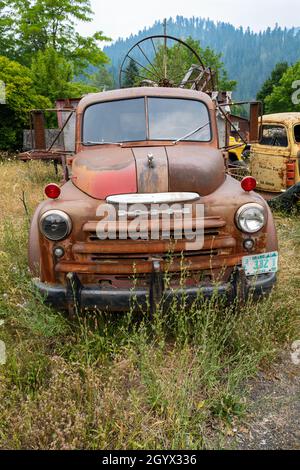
{"x":243,"y":208}
{"x":60,"y":213}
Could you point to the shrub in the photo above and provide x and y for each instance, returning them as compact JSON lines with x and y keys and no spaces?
{"x":20,"y":98}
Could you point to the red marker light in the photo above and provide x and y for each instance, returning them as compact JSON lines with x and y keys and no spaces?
{"x":52,"y":191}
{"x":249,"y":184}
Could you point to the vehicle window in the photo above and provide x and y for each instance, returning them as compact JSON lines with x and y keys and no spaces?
{"x":115,"y":121}
{"x":172,"y":119}
{"x":297,"y":133}
{"x":125,"y":121}
{"x":275,"y":136}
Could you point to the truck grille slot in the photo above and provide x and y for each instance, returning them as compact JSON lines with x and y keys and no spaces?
{"x":211,"y":225}
{"x":164,"y":256}
{"x":92,"y":237}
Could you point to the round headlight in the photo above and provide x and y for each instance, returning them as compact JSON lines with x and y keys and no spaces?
{"x":251,"y":218}
{"x":55,"y":225}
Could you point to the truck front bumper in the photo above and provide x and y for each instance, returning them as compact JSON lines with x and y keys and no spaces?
{"x":95,"y":297}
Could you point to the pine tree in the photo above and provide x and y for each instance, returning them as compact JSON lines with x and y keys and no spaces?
{"x":131,"y":74}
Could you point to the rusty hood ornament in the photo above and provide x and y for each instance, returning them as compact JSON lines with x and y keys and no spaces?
{"x":150,"y":160}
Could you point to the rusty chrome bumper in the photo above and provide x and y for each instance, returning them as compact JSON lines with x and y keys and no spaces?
{"x":101,"y":298}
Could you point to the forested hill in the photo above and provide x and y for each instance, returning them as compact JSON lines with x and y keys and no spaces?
{"x":248,"y":57}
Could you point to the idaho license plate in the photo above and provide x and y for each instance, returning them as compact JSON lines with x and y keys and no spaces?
{"x":261,"y":264}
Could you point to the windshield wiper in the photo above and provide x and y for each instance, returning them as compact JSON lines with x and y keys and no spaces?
{"x":191,"y":133}
{"x":89,"y":142}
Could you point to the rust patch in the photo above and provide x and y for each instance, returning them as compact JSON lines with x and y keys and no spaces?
{"x":105,"y":172}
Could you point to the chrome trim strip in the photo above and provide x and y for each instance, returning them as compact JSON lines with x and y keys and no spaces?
{"x":153,"y":198}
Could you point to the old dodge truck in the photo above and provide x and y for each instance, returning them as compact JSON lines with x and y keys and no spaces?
{"x":149,"y":145}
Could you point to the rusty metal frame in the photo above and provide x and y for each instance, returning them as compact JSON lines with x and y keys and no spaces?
{"x":220,"y":105}
{"x":47,"y":153}
{"x":205,"y":75}
{"x":61,"y":130}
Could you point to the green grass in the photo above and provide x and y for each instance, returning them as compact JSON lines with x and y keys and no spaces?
{"x":175,"y":381}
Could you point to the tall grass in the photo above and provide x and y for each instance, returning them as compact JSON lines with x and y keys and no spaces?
{"x":174,"y":380}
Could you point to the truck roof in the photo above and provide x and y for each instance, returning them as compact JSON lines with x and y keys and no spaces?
{"x":286,"y":118}
{"x":143,"y":91}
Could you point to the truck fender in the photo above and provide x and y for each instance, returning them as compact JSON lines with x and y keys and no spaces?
{"x":34,"y":255}
{"x":272,"y":240}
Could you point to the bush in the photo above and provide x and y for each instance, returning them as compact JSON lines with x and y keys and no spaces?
{"x":20,"y":98}
{"x":53,"y":76}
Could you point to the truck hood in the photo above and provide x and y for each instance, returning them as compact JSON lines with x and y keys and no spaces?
{"x":112,"y":170}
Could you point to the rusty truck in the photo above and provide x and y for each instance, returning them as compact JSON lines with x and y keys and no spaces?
{"x":153,"y":144}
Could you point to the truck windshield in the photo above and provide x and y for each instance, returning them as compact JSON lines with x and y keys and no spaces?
{"x":126,"y":121}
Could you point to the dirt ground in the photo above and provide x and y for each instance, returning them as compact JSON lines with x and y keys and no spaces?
{"x":274,"y":419}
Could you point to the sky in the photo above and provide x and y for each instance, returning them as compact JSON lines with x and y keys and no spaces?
{"x":121,"y":18}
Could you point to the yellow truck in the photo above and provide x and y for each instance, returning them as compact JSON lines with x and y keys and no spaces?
{"x":275,"y":159}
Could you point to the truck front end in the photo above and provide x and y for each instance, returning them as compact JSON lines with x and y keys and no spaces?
{"x":149,"y":212}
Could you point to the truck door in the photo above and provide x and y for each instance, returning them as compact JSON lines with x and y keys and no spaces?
{"x":296,"y":152}
{"x":269,"y":158}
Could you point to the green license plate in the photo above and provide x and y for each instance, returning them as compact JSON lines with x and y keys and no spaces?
{"x":261,"y":264}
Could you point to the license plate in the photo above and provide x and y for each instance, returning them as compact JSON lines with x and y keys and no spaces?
{"x":261,"y":264}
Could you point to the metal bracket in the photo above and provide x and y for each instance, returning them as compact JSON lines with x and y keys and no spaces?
{"x":74,"y":287}
{"x":156,"y":286}
{"x":240,"y":285}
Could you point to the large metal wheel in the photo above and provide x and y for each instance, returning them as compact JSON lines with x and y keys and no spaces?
{"x":157,"y":61}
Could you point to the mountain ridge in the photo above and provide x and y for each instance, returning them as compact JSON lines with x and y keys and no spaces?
{"x":249,"y":57}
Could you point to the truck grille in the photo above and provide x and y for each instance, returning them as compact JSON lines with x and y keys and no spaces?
{"x":125,"y":257}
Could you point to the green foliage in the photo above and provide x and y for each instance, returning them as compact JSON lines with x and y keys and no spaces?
{"x":272,"y":81}
{"x":102,"y":79}
{"x":53,"y":74}
{"x":40,"y":24}
{"x":41,"y":35}
{"x":79,"y":89}
{"x":283,"y":95}
{"x":20,"y":98}
{"x":6,"y":23}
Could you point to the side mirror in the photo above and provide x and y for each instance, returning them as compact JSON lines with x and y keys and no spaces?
{"x":255,"y":120}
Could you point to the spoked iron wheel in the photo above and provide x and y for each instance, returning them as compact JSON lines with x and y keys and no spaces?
{"x":157,"y":61}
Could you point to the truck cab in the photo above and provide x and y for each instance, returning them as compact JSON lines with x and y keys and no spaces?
{"x":149,"y":153}
{"x":275,"y":159}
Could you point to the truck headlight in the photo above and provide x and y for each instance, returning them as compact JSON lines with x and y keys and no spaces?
{"x":251,"y":218}
{"x":55,"y":225}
